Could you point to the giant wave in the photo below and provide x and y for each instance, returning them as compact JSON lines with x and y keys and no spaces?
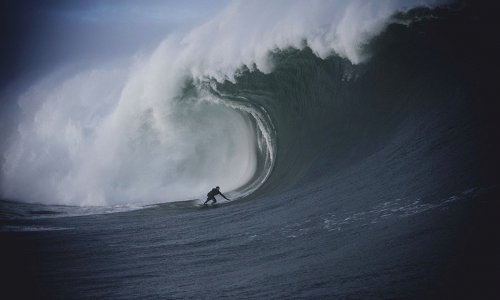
{"x":359,"y":137}
{"x":167,"y":126}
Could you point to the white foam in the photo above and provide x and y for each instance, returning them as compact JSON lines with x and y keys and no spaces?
{"x":14,"y":228}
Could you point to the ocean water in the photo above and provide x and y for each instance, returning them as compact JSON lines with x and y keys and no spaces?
{"x":357,"y":144}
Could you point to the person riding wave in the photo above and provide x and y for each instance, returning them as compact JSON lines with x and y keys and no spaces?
{"x":211,"y":195}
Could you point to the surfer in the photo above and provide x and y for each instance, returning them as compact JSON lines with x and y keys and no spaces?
{"x":211,"y":195}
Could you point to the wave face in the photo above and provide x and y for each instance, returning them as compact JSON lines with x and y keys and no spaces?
{"x":264,"y":95}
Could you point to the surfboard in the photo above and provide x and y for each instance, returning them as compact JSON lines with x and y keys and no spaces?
{"x":208,"y":205}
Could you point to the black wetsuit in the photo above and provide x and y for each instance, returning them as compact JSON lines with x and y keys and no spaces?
{"x":211,"y":195}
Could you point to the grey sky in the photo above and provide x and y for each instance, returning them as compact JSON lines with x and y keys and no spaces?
{"x":41,"y":35}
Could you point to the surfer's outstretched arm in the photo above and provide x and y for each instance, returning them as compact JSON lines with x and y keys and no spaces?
{"x":223,"y":196}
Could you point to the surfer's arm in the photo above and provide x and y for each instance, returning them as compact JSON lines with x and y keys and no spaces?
{"x":223,"y":196}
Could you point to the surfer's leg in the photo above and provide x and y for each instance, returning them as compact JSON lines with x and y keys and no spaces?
{"x":208,"y":199}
